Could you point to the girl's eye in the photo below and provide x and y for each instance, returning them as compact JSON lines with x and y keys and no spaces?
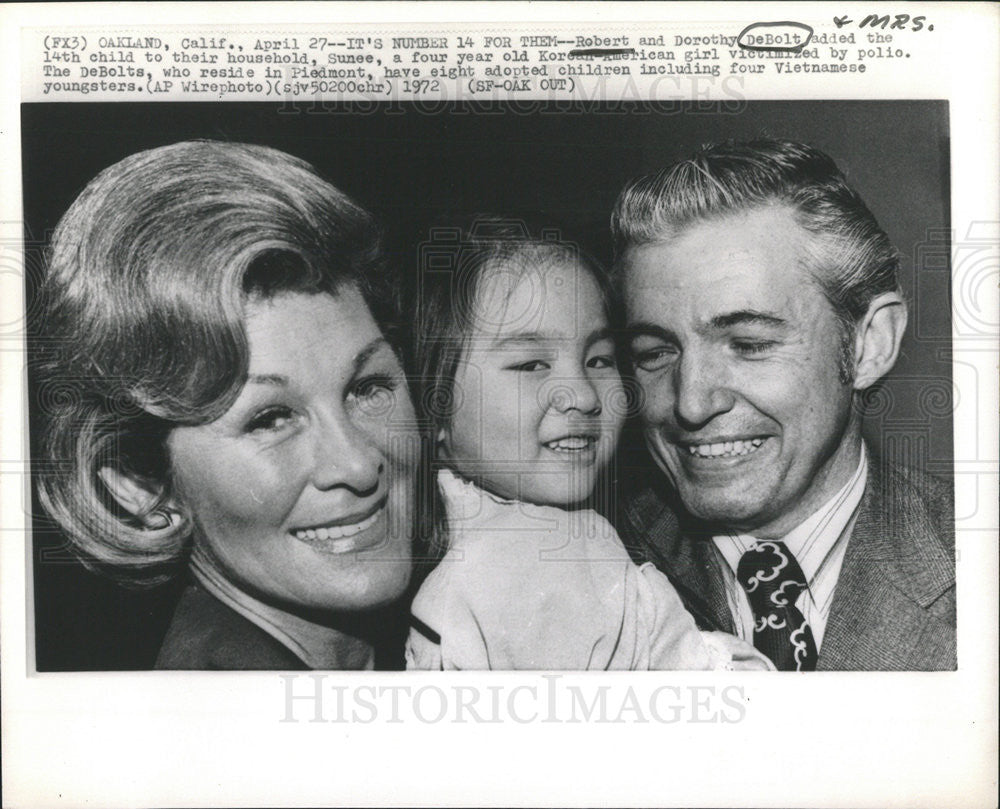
{"x":530,"y":365}
{"x":270,"y":419}
{"x":601,"y":361}
{"x":749,"y":348}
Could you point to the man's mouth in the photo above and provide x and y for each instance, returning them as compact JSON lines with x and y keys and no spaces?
{"x":572,"y":443}
{"x":724,"y":449}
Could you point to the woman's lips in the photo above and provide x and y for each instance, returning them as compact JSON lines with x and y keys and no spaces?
{"x":340,"y":537}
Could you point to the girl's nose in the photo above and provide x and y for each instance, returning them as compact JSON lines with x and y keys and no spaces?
{"x":575,"y":393}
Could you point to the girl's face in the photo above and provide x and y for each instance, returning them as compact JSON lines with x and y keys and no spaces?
{"x":538,"y":402}
{"x":303,"y":491}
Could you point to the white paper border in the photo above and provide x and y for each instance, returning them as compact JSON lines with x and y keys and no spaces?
{"x":215,"y":739}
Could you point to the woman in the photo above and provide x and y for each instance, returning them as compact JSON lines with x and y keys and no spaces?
{"x":224,"y":320}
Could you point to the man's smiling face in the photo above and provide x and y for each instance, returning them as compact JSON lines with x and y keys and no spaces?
{"x":737,"y":351}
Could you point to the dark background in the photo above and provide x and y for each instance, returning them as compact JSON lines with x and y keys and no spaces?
{"x":411,"y":164}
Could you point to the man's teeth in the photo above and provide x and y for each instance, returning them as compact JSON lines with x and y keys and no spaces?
{"x":725,"y":449}
{"x":338,"y":531}
{"x":570,"y":444}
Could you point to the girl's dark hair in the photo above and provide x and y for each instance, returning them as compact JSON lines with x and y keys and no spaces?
{"x":453,"y":265}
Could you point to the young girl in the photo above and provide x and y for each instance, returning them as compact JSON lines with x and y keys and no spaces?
{"x":522,"y":390}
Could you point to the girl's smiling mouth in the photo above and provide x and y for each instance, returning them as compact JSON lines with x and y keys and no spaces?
{"x":571,"y":443}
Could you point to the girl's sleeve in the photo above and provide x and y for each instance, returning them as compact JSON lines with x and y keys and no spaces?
{"x":506,"y":603}
{"x":423,"y":648}
{"x":674,"y":641}
{"x":445,"y":633}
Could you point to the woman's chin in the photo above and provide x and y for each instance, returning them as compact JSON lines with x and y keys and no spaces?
{"x":374,"y":594}
{"x":375,"y":581}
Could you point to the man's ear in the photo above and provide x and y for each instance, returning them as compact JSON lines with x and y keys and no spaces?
{"x":139,"y":500}
{"x":879,"y":335}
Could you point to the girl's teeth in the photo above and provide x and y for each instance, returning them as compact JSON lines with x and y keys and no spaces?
{"x":338,"y":531}
{"x":725,"y":449}
{"x":572,"y":443}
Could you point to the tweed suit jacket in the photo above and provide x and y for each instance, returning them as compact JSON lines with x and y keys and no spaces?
{"x":894,"y":604}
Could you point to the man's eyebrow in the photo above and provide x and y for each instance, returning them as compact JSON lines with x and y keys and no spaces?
{"x":640,"y":328}
{"x":643,"y":328}
{"x":745,"y":316}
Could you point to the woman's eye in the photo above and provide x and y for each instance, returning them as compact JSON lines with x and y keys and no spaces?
{"x":653,"y":359}
{"x":749,"y":348}
{"x":374,"y":386}
{"x":270,"y":419}
{"x":375,"y":392}
{"x":601,"y":361}
{"x":530,"y":365}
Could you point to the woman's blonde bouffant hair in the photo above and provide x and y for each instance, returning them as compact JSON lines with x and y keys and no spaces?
{"x":148,"y":274}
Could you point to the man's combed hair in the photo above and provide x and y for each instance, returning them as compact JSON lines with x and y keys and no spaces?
{"x":851,"y":257}
{"x":148,"y":275}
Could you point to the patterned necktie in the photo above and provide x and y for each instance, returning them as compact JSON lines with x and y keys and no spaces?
{"x":773,"y":581}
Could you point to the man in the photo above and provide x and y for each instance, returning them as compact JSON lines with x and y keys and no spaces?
{"x":762,"y":300}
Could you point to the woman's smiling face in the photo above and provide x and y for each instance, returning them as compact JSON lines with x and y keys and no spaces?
{"x":303,"y":492}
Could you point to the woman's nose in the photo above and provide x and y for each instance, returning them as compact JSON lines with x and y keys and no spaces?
{"x":700,"y":391}
{"x":345,"y":456}
{"x":575,"y":393}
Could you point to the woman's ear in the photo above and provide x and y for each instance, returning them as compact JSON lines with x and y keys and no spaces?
{"x":879,"y":335}
{"x":139,"y":500}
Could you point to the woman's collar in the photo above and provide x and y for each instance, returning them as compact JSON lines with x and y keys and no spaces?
{"x":319,"y":647}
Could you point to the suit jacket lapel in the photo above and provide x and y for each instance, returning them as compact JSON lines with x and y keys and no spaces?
{"x":700,"y":583}
{"x":894,"y":568}
{"x":899,"y":561}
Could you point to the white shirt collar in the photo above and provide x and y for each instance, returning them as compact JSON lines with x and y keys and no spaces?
{"x":810,"y":541}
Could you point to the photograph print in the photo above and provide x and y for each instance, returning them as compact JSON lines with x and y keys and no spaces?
{"x":606,"y":387}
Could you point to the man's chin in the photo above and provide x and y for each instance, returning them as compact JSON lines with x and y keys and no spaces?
{"x":734,"y":513}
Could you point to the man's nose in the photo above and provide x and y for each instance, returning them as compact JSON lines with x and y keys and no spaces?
{"x":575,"y":393}
{"x":701,"y":390}
{"x":345,"y":456}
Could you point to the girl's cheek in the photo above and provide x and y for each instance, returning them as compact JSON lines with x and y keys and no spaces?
{"x":614,"y":399}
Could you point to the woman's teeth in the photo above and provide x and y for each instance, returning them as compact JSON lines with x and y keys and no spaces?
{"x":338,"y":531}
{"x":573,"y":443}
{"x":725,"y":449}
